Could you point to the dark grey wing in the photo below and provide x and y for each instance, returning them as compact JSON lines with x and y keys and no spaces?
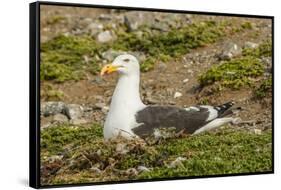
{"x":156,"y":117}
{"x":182,"y":119}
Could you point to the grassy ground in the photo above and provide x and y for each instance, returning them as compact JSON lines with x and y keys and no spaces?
{"x":85,"y":157}
{"x":238,"y":72}
{"x":67,"y":58}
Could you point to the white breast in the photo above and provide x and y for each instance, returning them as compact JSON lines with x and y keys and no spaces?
{"x":124,"y":105}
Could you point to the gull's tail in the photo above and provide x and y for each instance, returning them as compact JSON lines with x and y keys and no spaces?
{"x":225,"y":109}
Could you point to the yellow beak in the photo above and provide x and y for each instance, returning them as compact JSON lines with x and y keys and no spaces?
{"x":107,"y":69}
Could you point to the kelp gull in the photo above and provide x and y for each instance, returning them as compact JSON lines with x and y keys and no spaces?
{"x":129,"y":117}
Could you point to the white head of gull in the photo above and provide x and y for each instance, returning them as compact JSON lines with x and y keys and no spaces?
{"x":129,"y":117}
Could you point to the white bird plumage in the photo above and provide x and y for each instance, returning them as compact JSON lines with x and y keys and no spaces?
{"x":126,"y":98}
{"x":126,"y":103}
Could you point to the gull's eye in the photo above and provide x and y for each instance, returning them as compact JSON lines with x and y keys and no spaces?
{"x":126,"y":60}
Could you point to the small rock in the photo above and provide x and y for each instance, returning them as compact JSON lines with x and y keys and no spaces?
{"x":134,"y":19}
{"x":105,"y":17}
{"x":98,"y":98}
{"x":60,"y":118}
{"x":99,"y":152}
{"x":177,"y":162}
{"x":190,"y":71}
{"x":143,"y":169}
{"x":74,"y":111}
{"x":251,"y":45}
{"x":162,"y":26}
{"x":257,"y":131}
{"x":162,"y":66}
{"x":122,"y":148}
{"x":44,"y":126}
{"x":139,"y":55}
{"x":105,"y":37}
{"x":151,"y":100}
{"x":95,"y":28}
{"x":267,"y":61}
{"x":55,"y":158}
{"x":95,"y":170}
{"x":230,"y":50}
{"x":86,"y":59}
{"x":78,"y":121}
{"x":110,"y":54}
{"x":177,"y":95}
{"x":88,"y":20}
{"x":105,"y":109}
{"x":99,"y":105}
{"x":97,"y":80}
{"x":77,"y":31}
{"x":185,"y":80}
{"x":113,"y":25}
{"x":131,"y":172}
{"x":150,"y":81}
{"x":52,"y":108}
{"x":160,"y":134}
{"x":171,"y":102}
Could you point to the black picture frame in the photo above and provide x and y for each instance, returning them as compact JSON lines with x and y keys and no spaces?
{"x":34,"y":91}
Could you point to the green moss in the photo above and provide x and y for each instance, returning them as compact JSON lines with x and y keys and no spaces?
{"x":247,"y":25}
{"x":58,"y":72}
{"x":234,"y":73}
{"x":238,"y":72}
{"x":55,"y":95}
{"x":71,"y":44}
{"x":224,"y":151}
{"x":175,"y":43}
{"x":264,"y":88}
{"x":204,"y":101}
{"x":55,"y":19}
{"x":54,"y":139}
{"x":48,"y":93}
{"x":148,"y":64}
{"x":63,"y":58}
{"x":264,"y":50}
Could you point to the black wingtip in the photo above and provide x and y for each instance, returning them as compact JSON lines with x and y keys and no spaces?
{"x":222,"y":108}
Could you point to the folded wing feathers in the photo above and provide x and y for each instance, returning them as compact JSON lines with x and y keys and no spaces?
{"x":214,"y":112}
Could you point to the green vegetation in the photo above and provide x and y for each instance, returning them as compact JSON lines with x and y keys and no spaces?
{"x":246,"y":25}
{"x":69,"y":57}
{"x":88,"y":158}
{"x":175,"y":43}
{"x":49,"y":93}
{"x":55,"y":19}
{"x":52,"y":95}
{"x":238,"y":72}
{"x":57,"y":72}
{"x":66,"y":57}
{"x":264,"y":50}
{"x":234,"y":73}
{"x":204,"y":101}
{"x":54,"y":139}
{"x":264,"y":89}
